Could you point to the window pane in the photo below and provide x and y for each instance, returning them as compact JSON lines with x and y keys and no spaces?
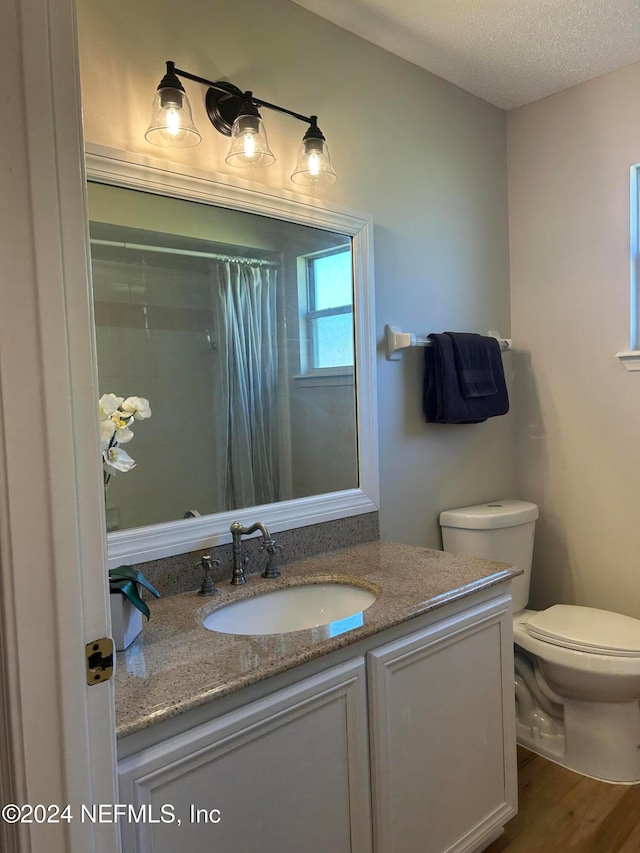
{"x":332,"y":280}
{"x":333,"y":340}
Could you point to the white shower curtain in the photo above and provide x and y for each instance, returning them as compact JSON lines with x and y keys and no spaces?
{"x":245,"y":293}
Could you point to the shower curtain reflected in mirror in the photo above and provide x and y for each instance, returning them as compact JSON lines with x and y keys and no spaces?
{"x":246,"y":393}
{"x":207,"y":312}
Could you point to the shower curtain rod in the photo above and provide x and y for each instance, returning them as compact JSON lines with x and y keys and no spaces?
{"x":190,"y":252}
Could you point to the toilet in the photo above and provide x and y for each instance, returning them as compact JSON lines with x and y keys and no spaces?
{"x":577,"y":669}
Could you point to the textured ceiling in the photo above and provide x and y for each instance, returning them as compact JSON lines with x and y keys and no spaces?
{"x":508,"y":52}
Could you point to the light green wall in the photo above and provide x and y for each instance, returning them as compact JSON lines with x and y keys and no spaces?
{"x":426,"y":159}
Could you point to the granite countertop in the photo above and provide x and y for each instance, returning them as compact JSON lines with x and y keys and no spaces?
{"x":176,"y":664}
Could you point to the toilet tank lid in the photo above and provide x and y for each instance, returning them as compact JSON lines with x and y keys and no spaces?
{"x":489,"y":516}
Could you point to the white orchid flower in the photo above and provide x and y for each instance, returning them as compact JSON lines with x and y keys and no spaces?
{"x":107,"y":431}
{"x":138,"y":407}
{"x":123,"y":435}
{"x":116,"y":415}
{"x":121,"y":419}
{"x":108,"y":404}
{"x":116,"y":459}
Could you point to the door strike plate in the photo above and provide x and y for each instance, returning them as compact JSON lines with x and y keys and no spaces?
{"x":99,"y":657}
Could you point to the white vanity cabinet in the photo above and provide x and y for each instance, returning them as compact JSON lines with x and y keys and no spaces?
{"x":410,"y":752}
{"x":284,"y":774}
{"x":441,"y":716}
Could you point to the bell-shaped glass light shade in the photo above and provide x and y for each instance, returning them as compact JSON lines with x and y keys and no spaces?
{"x":249,"y":144}
{"x":171,"y":122}
{"x":314,"y":164}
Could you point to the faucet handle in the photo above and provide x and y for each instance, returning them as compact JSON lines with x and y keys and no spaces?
{"x":207,"y":587}
{"x":270,"y":546}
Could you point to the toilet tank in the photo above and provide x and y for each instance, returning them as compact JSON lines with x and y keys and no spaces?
{"x":501,"y":530}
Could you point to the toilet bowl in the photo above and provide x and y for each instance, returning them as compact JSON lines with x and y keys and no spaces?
{"x":577,"y":669}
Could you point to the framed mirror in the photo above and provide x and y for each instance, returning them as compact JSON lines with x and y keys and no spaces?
{"x":245,"y":317}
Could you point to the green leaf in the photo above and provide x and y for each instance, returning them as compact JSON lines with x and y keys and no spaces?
{"x":129,"y":589}
{"x":129,"y":573}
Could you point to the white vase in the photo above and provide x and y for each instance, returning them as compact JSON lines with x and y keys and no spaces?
{"x":126,"y":621}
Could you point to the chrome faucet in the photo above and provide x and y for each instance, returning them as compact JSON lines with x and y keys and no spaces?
{"x":268,"y":545}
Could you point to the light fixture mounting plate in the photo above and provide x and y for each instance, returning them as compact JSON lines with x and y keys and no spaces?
{"x":223,"y":107}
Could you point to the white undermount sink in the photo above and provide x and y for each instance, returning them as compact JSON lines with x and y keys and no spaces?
{"x":291,"y":608}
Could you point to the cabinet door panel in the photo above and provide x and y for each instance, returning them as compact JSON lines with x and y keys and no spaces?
{"x":443,"y":744}
{"x":286,"y":773}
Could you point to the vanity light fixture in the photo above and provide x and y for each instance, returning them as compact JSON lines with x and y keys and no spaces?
{"x":234,"y":113}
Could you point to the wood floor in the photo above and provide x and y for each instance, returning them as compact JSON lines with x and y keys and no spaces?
{"x":562,"y":812}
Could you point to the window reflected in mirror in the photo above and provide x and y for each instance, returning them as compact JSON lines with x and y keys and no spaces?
{"x":329,"y":316}
{"x":238,"y":329}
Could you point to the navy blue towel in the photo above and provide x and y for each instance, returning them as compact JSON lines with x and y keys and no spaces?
{"x":450,"y":395}
{"x":473,"y":363}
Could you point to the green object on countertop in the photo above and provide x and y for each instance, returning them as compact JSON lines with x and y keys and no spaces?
{"x":124,"y":579}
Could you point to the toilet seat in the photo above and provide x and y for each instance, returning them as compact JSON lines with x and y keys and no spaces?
{"x":586,"y":629}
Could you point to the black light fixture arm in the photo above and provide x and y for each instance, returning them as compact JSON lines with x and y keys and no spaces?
{"x":228,"y":89}
{"x":234,"y":113}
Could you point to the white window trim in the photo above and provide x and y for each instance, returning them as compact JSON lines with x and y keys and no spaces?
{"x":631,"y":358}
{"x":325,"y":376}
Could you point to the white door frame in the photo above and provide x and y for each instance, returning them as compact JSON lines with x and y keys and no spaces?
{"x":57,"y":732}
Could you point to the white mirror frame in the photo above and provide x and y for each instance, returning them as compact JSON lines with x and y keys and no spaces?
{"x":120,"y":168}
